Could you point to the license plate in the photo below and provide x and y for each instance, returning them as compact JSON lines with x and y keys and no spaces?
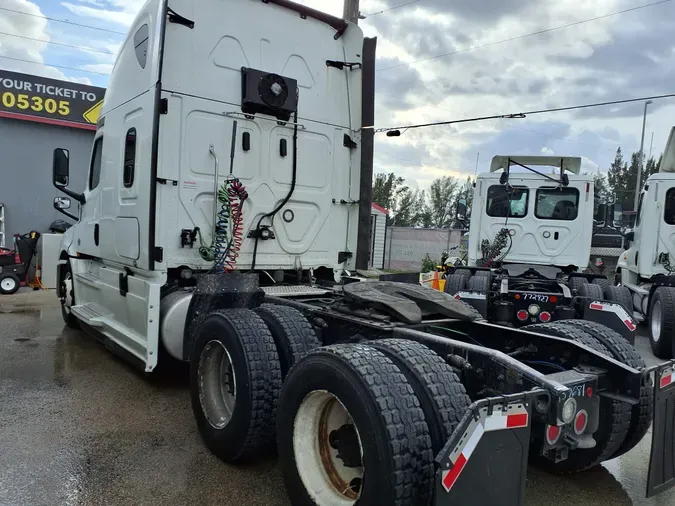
{"x":535,"y":297}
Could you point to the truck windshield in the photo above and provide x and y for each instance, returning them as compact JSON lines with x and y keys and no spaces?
{"x":557,"y":204}
{"x":507,"y":201}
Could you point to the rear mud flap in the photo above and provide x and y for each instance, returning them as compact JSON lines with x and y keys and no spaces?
{"x":485,"y":459}
{"x":612,"y":315}
{"x":662,"y":461}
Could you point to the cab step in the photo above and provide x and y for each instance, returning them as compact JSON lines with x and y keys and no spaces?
{"x":91,"y":314}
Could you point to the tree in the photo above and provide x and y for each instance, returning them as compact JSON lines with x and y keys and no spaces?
{"x":442,"y":196}
{"x":410,"y":207}
{"x":385,"y":188}
{"x":652,"y":167}
{"x":602,"y":192}
{"x":619,"y":178}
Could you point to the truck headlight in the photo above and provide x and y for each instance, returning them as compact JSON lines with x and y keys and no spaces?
{"x":569,"y":410}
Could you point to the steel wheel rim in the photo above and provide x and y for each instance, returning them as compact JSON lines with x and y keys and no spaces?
{"x":323,"y":473}
{"x":217,"y":384}
{"x":655,"y":321}
{"x":67,"y":289}
{"x":8,"y":284}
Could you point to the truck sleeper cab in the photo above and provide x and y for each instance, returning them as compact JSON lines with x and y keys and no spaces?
{"x":227,"y":157}
{"x":529,"y":243}
{"x":645,"y":269}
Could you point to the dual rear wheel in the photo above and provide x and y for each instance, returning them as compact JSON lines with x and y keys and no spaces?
{"x":338,"y":413}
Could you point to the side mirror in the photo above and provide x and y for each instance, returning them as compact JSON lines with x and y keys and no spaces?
{"x":61,"y":168}
{"x":460,"y":214}
{"x":630,"y":236}
{"x":609,"y":216}
{"x":61,"y":203}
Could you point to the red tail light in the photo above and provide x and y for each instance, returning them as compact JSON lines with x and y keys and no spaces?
{"x":552,"y":434}
{"x":545,"y":317}
{"x":522,"y":315}
{"x":580,"y":422}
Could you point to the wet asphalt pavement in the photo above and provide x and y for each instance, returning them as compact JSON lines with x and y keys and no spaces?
{"x":80,"y":427}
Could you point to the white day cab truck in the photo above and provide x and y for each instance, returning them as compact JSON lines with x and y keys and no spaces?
{"x":645,"y":269}
{"x":218,"y":226}
{"x":529,"y":245}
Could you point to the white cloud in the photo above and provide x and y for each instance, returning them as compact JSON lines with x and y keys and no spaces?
{"x":121,"y":12}
{"x":17,"y":49}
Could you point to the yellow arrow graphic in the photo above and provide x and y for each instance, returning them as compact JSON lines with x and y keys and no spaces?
{"x":91,"y":115}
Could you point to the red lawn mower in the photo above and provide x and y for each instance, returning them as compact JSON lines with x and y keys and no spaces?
{"x":15,"y":264}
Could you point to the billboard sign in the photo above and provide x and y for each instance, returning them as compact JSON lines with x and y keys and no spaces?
{"x":35,"y":98}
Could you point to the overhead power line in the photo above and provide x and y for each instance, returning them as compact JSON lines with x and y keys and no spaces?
{"x":55,"y":66}
{"x":83,"y":48}
{"x":364,"y":16}
{"x":65,"y":21}
{"x":511,"y":39}
{"x":520,"y":115}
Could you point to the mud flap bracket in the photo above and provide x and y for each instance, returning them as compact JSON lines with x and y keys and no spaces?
{"x":612,"y":315}
{"x":662,"y":460}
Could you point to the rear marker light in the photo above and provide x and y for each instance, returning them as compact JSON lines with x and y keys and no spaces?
{"x":552,"y":434}
{"x":522,"y":315}
{"x":589,"y":392}
{"x":457,"y":296}
{"x":545,"y":317}
{"x":580,"y":422}
{"x":553,"y":299}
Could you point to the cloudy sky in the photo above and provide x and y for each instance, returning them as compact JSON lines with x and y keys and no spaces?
{"x":626,"y":55}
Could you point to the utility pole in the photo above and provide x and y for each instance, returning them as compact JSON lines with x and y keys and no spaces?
{"x":351,"y":11}
{"x":642,"y":156}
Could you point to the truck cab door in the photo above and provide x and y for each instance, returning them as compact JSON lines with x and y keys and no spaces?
{"x":88,"y":232}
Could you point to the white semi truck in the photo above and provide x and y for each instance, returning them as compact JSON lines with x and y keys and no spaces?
{"x":530,"y":239}
{"x":218,"y":226}
{"x":645,"y":268}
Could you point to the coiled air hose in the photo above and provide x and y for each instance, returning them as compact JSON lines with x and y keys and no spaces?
{"x":228,"y":237}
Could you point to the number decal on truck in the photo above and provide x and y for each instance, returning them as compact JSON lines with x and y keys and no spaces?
{"x":535,"y":297}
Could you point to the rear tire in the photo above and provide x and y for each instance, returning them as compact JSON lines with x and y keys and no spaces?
{"x":292,"y":333}
{"x":383,"y":410}
{"x":662,"y":322}
{"x":641,"y":414}
{"x":455,"y":283}
{"x":440,"y":392}
{"x":235,"y":380}
{"x":621,"y":295}
{"x":67,"y":296}
{"x":591,"y":291}
{"x":576,"y":282}
{"x":614,"y":416}
{"x":9,"y":284}
{"x":602,"y":282}
{"x":480,"y":284}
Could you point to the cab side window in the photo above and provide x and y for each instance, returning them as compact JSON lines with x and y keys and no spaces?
{"x":129,"y":158}
{"x":557,"y":204}
{"x":95,"y":169}
{"x":669,"y":214}
{"x":503,"y":202}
